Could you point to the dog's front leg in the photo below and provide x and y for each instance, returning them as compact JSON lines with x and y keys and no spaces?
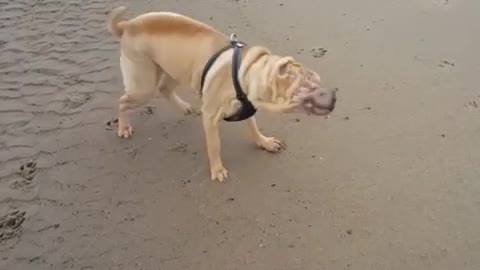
{"x":270,"y":144}
{"x":210,"y":126}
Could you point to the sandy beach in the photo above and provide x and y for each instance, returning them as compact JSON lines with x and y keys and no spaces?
{"x":389,"y":181}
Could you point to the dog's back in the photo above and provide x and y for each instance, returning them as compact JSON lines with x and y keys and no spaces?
{"x":178,"y":44}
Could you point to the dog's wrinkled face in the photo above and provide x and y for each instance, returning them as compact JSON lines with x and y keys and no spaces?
{"x":301,"y":89}
{"x":313,"y":98}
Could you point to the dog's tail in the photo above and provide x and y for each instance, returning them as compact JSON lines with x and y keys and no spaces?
{"x":116,"y":22}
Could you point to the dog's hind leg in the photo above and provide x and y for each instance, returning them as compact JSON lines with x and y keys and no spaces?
{"x":140,"y":79}
{"x":166,"y":86}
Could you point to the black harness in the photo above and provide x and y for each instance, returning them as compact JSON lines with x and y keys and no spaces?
{"x":247,"y":109}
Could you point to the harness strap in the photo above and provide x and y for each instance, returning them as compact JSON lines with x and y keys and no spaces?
{"x":210,"y":63}
{"x":247,"y":109}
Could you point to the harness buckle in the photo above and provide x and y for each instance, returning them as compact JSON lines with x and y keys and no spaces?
{"x":234,"y":41}
{"x":233,"y":37}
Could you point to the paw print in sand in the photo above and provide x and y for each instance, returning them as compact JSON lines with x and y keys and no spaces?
{"x":318,"y":52}
{"x":11,"y":224}
{"x":28,"y":170}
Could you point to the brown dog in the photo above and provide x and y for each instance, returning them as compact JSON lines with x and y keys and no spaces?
{"x":160,"y":50}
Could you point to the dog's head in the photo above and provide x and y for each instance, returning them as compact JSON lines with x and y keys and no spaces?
{"x":296,"y":88}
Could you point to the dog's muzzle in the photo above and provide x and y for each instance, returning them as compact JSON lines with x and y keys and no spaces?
{"x":320,"y":101}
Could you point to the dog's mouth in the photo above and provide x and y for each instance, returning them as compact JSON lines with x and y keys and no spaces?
{"x":318,"y":110}
{"x":315,"y":101}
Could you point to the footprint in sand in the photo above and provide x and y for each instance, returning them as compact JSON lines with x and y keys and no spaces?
{"x":473,"y":105}
{"x":27,"y":173}
{"x":11,"y":224}
{"x":74,"y":101}
{"x":446,"y":63}
{"x":111,"y":124}
{"x":318,"y":52}
{"x":149,"y":110}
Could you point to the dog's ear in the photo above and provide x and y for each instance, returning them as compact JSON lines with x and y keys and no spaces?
{"x":285,"y":77}
{"x":287,"y":67}
{"x":280,"y":68}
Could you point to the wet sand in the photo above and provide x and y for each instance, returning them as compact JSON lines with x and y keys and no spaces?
{"x":390,"y":181}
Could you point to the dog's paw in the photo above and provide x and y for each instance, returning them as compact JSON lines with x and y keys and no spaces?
{"x":184,"y":106}
{"x":219,"y":174}
{"x":187,"y":109}
{"x":270,"y":144}
{"x":125,"y":131}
